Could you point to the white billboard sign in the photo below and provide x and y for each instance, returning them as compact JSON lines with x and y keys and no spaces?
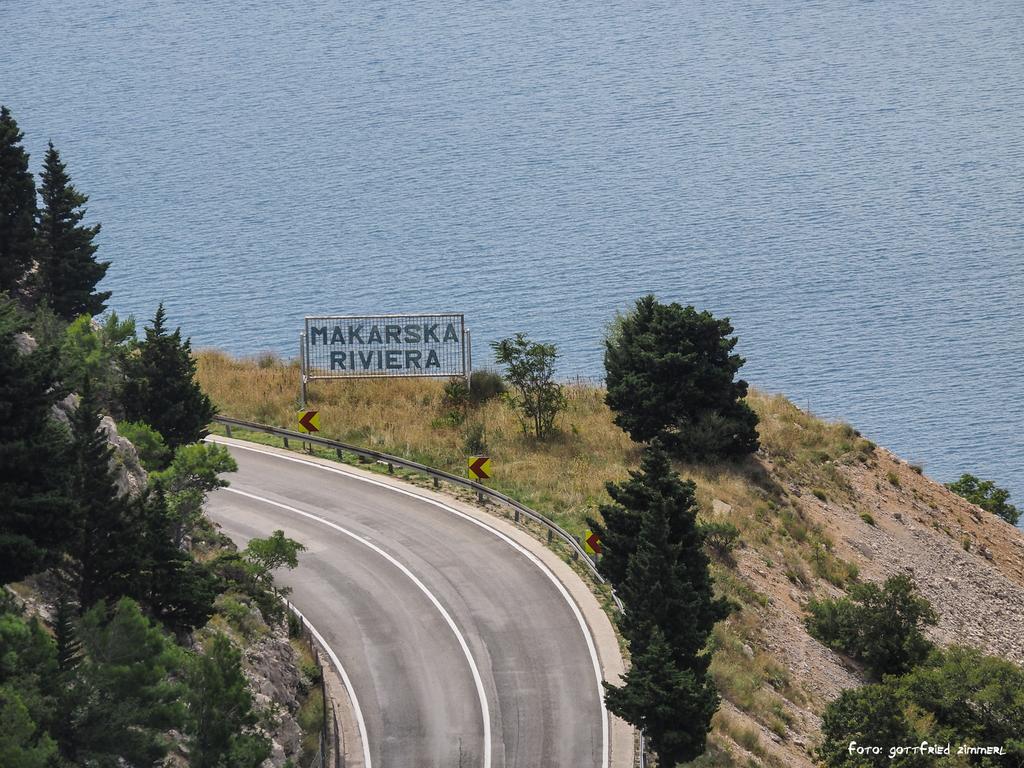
{"x":336,"y":347}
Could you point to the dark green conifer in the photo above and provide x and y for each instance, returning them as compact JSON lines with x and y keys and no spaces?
{"x":35,"y":523}
{"x":69,"y":648}
{"x":106,"y":548}
{"x":672,"y":705}
{"x":670,"y":609}
{"x":17,"y":206}
{"x":671,"y":374}
{"x":161,"y":389}
{"x":221,"y":714}
{"x":68,"y":270}
{"x":171,"y":584}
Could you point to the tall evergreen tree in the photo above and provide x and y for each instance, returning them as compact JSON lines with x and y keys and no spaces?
{"x":670,"y":608}
{"x":17,"y":206}
{"x":161,"y":389}
{"x":34,"y":505}
{"x":68,"y":270}
{"x":673,"y":706}
{"x":171,"y":584}
{"x":107,"y":542}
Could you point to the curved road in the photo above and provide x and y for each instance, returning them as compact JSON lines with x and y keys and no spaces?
{"x":462,"y":649}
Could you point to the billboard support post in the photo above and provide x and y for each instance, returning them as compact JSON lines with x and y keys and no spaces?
{"x":302,"y":367}
{"x":469,"y":359}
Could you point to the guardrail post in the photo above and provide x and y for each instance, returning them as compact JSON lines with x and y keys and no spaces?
{"x":480,"y":496}
{"x":517,"y":517}
{"x":227,"y":429}
{"x":391,"y":468}
{"x":341,"y":454}
{"x":285,"y":442}
{"x":550,"y":536}
{"x":437,"y":484}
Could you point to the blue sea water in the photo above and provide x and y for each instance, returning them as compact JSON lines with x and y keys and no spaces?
{"x":845,"y":180}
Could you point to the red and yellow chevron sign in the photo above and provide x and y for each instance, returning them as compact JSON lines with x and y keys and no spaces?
{"x":479,"y":467}
{"x":309,"y":421}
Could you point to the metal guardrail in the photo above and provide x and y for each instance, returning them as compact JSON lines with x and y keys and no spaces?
{"x":482,"y":491}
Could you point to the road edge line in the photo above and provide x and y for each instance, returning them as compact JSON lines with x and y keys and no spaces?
{"x":563,"y":590}
{"x":345,"y":680}
{"x":485,"y":709}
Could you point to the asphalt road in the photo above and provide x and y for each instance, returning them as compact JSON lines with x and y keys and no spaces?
{"x":461,"y":650}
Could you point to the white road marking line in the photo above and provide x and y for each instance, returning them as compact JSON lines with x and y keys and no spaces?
{"x":484,"y":709}
{"x":347,"y":683}
{"x":605,"y":756}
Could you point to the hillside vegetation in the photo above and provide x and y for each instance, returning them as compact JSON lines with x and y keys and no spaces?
{"x":818,"y":508}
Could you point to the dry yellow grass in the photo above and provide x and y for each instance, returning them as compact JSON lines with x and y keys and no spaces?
{"x":564,"y":476}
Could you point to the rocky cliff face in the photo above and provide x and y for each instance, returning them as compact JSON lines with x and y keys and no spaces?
{"x":809,"y":526}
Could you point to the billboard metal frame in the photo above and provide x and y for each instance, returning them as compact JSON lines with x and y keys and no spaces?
{"x":307,"y":372}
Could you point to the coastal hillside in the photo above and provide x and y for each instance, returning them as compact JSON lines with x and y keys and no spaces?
{"x":818,"y":508}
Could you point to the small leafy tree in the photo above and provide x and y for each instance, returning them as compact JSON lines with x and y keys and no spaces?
{"x":221,"y":715}
{"x":153,"y":452}
{"x":161,"y":389}
{"x":670,"y":372}
{"x":22,"y":745}
{"x":530,"y":369}
{"x":17,"y":206}
{"x":957,"y":696}
{"x":97,"y":355}
{"x":987,"y":495}
{"x":193,"y":473}
{"x":68,"y":270}
{"x":275,"y":551}
{"x":871,"y":716}
{"x":880,"y":626}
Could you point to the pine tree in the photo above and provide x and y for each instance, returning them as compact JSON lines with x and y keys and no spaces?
{"x":221,"y":713}
{"x":17,"y":206}
{"x":161,"y":389}
{"x":673,"y":706}
{"x":34,"y":503}
{"x":667,"y":579}
{"x":619,"y":527}
{"x":69,"y":648}
{"x":68,"y":270}
{"x":107,"y":546}
{"x":670,"y":609}
{"x":170,"y":584}
{"x":671,"y":375}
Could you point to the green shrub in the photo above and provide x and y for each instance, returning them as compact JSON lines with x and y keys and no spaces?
{"x":880,"y":626}
{"x":474,"y":439}
{"x":894,"y":479}
{"x":720,"y":536}
{"x":867,"y":518}
{"x":917,"y":468}
{"x":820,"y":494}
{"x":986,"y":495}
{"x":485,"y":385}
{"x":153,"y":452}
